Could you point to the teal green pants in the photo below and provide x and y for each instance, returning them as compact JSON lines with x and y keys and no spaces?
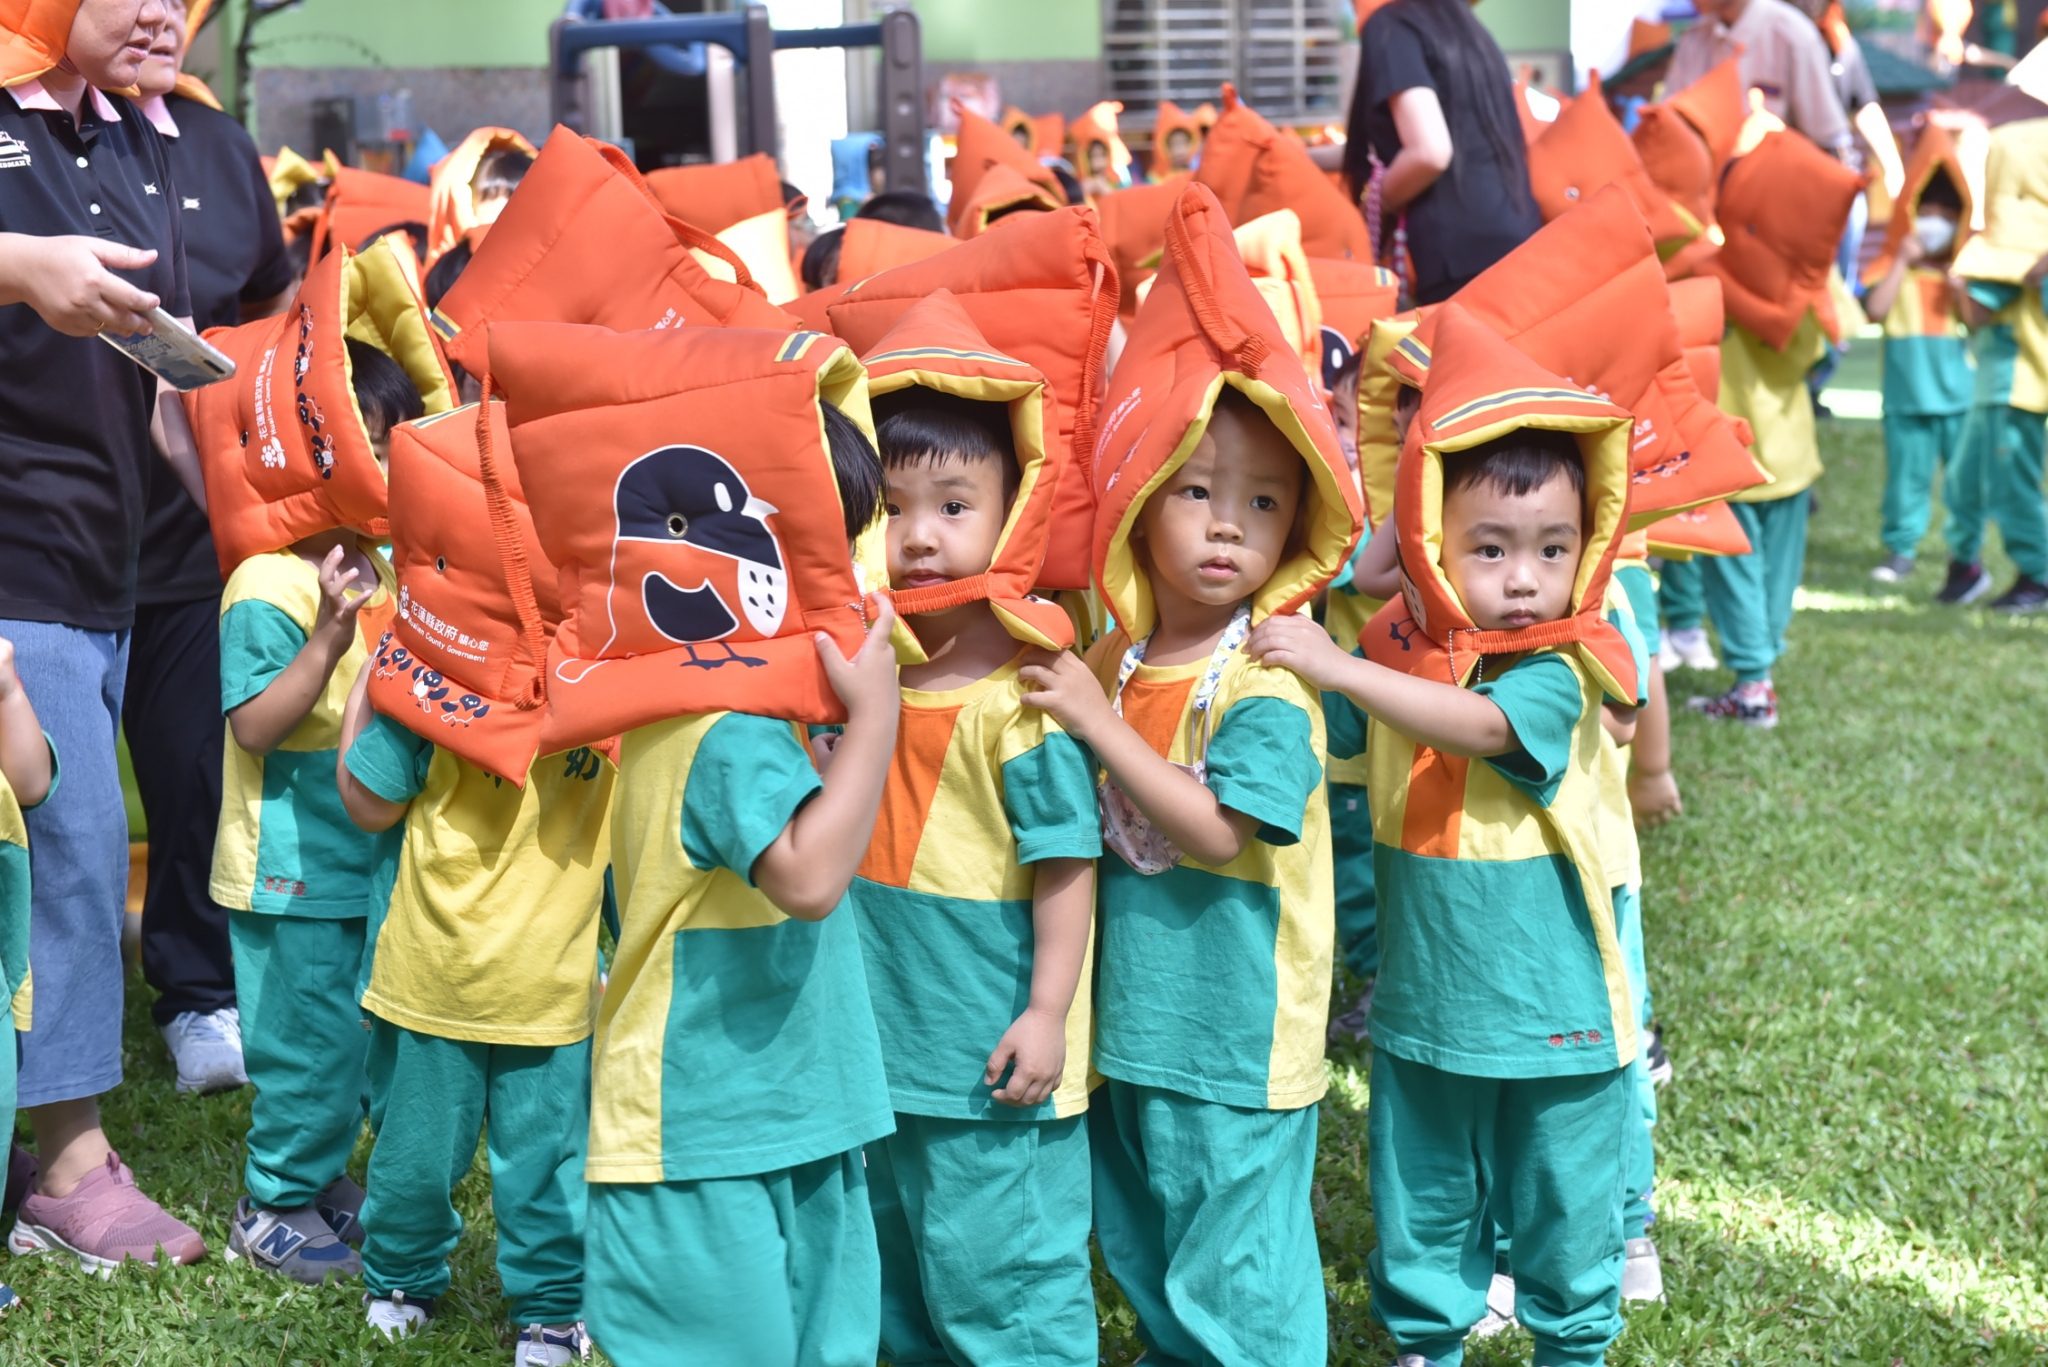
{"x":1203,"y":1216}
{"x":1358,"y":921}
{"x":303,"y":1043}
{"x":1541,"y":1156}
{"x":431,"y":1098}
{"x":1640,"y":1176}
{"x":758,"y":1271}
{"x":1681,"y":595}
{"x":1917,"y":448}
{"x":982,"y":1228}
{"x":1750,"y":596}
{"x":1997,"y":469}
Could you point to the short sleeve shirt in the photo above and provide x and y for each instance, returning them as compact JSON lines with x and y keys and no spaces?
{"x":1215,"y":982}
{"x":491,"y":930}
{"x":1782,"y":55}
{"x":981,"y":788}
{"x":1480,"y":209}
{"x":1927,"y":370}
{"x":733,"y":1039}
{"x":234,"y":254}
{"x":74,"y":475}
{"x":286,"y":845}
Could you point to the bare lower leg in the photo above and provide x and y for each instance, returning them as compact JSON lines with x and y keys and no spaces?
{"x":70,"y":1144}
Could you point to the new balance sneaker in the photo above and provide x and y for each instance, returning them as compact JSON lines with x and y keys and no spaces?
{"x":1893,"y":569}
{"x":104,"y":1222}
{"x":207,"y":1047}
{"x":1642,"y":1275}
{"x":1965,"y":584}
{"x":1500,"y":1308}
{"x":292,"y":1243}
{"x":551,"y":1345}
{"x":1659,"y":1062}
{"x":341,"y":1206}
{"x":1354,"y":1023}
{"x":396,"y":1316}
{"x":1752,"y":704}
{"x":1692,"y":648}
{"x":2025,"y":595}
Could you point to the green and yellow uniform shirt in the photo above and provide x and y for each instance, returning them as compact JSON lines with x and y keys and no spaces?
{"x":1927,"y":372}
{"x":2011,"y":351}
{"x":1345,"y":614}
{"x":980,"y":789}
{"x":1627,"y":593}
{"x":1215,"y":982}
{"x":14,"y":899}
{"x":491,"y":935}
{"x":285,"y":845}
{"x":1768,"y":388}
{"x":1498,"y":955}
{"x":733,"y":1040}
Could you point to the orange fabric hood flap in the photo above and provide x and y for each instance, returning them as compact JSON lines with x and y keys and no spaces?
{"x":1782,"y":208}
{"x":583,"y":240}
{"x":870,"y":246}
{"x":1205,"y":325}
{"x":1710,"y":529}
{"x":1584,"y":151}
{"x":1043,"y":290}
{"x":1586,"y":298}
{"x":1481,"y":387}
{"x":1696,"y":305}
{"x":692,"y":514}
{"x":1270,"y":247}
{"x":451,"y":194}
{"x":714,"y":197}
{"x":1687,"y":140}
{"x":935,"y":346}
{"x":282,"y":445}
{"x":1255,"y":169}
{"x":1001,"y":191}
{"x":1173,"y":119}
{"x":363,"y":202}
{"x":981,"y":147}
{"x":33,"y":36}
{"x":1354,"y":296}
{"x":1937,"y":151}
{"x":1134,"y":226}
{"x":1098,"y":128}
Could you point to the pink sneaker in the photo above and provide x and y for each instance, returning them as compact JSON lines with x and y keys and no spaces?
{"x":106,"y":1221}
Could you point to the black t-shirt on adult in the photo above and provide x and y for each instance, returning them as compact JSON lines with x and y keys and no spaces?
{"x":1480,"y":209}
{"x":234,"y":253}
{"x":75,"y":449}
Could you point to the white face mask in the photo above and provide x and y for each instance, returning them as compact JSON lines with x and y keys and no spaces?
{"x":1936,"y":234}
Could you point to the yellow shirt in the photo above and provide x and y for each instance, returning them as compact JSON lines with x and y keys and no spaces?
{"x":1769,"y":389}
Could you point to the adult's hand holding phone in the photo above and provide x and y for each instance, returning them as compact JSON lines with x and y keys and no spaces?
{"x":70,"y":283}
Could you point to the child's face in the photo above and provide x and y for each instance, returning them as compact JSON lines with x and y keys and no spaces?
{"x":945,"y":517}
{"x":1934,"y":226}
{"x":1180,"y":149}
{"x":1214,"y":533}
{"x":1512,"y":558}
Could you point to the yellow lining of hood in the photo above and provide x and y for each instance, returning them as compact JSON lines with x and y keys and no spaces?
{"x":381,"y":309}
{"x":843,"y":383}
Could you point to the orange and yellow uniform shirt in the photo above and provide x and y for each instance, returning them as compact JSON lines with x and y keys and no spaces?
{"x":1927,"y":371}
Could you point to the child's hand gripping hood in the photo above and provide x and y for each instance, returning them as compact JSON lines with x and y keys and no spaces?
{"x":282,"y":445}
{"x":1480,"y":387}
{"x":1204,"y":325}
{"x":936,"y":347}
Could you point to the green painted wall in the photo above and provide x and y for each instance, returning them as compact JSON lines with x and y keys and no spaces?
{"x":408,"y":33}
{"x":1529,"y":25}
{"x":1010,"y":30}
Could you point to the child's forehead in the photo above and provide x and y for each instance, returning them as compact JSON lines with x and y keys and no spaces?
{"x":1241,"y":436}
{"x":1484,"y":499}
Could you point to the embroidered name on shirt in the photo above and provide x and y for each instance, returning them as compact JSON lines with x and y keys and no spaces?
{"x":13,"y":152}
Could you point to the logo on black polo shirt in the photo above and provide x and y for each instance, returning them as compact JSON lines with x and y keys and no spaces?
{"x":13,"y":152}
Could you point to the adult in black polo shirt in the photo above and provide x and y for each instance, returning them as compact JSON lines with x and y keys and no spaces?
{"x":236,"y":262}
{"x":1436,"y":108}
{"x":84,"y":182}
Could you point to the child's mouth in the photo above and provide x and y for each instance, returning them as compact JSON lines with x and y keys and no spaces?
{"x":922,"y":579}
{"x":1218,"y":568}
{"x":1521,"y":617}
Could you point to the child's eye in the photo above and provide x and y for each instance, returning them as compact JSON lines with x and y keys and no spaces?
{"x":1488,"y":552}
{"x":1265,"y":503}
{"x":892,"y":510}
{"x":1199,"y":492}
{"x":1554,"y":552}
{"x":953,"y":508}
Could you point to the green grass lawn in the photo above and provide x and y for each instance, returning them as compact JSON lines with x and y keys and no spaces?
{"x":1849,"y":958}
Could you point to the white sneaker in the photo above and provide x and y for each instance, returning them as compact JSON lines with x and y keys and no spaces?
{"x":1500,"y":1308}
{"x":1667,"y":658}
{"x":1642,"y":1275}
{"x":551,"y":1345}
{"x":394,"y":1316}
{"x":1692,"y":648}
{"x":207,"y":1047}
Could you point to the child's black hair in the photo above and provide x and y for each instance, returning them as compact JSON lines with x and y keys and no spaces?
{"x":904,"y":208}
{"x":499,"y":173}
{"x":1070,"y":184}
{"x":1941,"y":193}
{"x":311,"y":195}
{"x":919,"y":427}
{"x":384,"y":392}
{"x":855,"y":467}
{"x":446,"y":271}
{"x":821,"y":259}
{"x":299,"y":251}
{"x":415,"y":230}
{"x":1518,"y":463}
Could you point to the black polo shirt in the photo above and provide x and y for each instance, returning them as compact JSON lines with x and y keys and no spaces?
{"x":234,"y":254}
{"x":75,"y":451}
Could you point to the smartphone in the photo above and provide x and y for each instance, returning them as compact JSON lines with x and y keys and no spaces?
{"x":174,"y":353}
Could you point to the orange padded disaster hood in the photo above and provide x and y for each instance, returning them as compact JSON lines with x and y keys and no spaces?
{"x":363,"y":202}
{"x":1134,"y":226}
{"x":1938,"y":151}
{"x":1585,"y":150}
{"x":33,"y":36}
{"x":1782,"y":209}
{"x":692,"y":514}
{"x":1097,"y":129}
{"x":1254,"y":169}
{"x":1586,"y":299}
{"x":282,"y":445}
{"x":1041,"y":289}
{"x":982,"y":147}
{"x":936,"y":347}
{"x":585,"y":241}
{"x":1354,"y":295}
{"x":1481,"y":387}
{"x":1173,"y":119}
{"x":714,"y":197}
{"x":1001,"y":190}
{"x":1710,"y":528}
{"x":1686,"y":141}
{"x":452,"y":208}
{"x":870,"y":246}
{"x":1204,"y":326}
